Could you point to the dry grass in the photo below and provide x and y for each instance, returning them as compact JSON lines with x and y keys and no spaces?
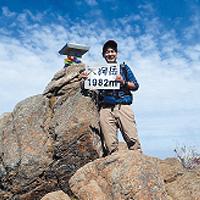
{"x":188,"y":156}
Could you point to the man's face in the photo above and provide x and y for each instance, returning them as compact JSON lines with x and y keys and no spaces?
{"x":110,"y":55}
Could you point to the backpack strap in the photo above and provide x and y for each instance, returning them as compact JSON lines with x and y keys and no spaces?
{"x":124,"y":69}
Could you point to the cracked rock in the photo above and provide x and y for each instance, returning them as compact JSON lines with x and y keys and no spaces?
{"x":47,"y":138}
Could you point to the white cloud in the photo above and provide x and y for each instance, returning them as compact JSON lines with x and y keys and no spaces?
{"x":91,"y":2}
{"x":6,"y":12}
{"x":167,"y":70}
{"x":193,"y":30}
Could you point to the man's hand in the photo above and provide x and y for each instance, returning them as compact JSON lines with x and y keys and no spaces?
{"x":84,"y":75}
{"x":119,"y":78}
{"x":126,"y":84}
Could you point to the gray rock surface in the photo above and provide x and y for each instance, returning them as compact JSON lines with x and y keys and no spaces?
{"x":47,"y":138}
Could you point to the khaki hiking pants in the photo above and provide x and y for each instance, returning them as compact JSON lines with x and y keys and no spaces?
{"x":122,"y":117}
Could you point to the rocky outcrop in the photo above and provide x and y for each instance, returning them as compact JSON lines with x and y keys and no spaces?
{"x":129,"y":174}
{"x":123,"y":175}
{"x":47,"y":138}
{"x":180,"y":183}
{"x":50,"y":147}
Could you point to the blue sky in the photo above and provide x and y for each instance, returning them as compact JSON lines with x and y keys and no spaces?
{"x":159,"y":40}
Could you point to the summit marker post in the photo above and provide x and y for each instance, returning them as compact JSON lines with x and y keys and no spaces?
{"x":74,"y":53}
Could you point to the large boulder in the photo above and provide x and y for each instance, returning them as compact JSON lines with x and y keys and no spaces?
{"x":127,"y":175}
{"x":47,"y":138}
{"x":124,"y":175}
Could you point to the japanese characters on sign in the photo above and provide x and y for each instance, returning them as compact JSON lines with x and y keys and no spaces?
{"x":103,"y":77}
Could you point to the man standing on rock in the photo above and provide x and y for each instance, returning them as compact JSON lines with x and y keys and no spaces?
{"x":115,"y":105}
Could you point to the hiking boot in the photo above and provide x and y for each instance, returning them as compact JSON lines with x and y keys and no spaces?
{"x":114,"y":150}
{"x":134,"y":145}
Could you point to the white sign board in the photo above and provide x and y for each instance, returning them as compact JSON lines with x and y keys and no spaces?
{"x":102,"y":77}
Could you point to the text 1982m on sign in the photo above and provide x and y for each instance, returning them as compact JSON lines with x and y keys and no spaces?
{"x":102,"y":77}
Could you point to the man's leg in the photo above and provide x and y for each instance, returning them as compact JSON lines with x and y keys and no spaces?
{"x":128,"y":128}
{"x":109,"y":128}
